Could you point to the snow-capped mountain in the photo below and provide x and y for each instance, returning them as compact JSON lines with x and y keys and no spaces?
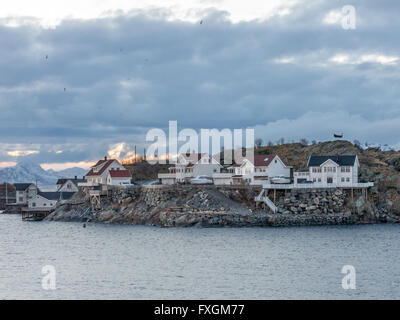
{"x":382,"y":147}
{"x":30,"y":172}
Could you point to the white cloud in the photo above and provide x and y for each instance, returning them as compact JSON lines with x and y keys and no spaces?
{"x":21,"y":153}
{"x":364,"y":58}
{"x":67,"y":165}
{"x":285,"y":60}
{"x":5,"y":164}
{"x":50,"y":12}
{"x":333,"y":17}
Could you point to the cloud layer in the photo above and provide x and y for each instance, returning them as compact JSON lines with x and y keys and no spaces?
{"x":106,"y":81}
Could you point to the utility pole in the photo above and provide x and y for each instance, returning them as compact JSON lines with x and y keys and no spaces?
{"x":6,"y":193}
{"x":135,"y":153}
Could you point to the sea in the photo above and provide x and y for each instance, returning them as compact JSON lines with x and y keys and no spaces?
{"x":65,"y":260}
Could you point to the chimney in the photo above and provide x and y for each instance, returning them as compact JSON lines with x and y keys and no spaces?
{"x":76,"y":177}
{"x":105,"y":158}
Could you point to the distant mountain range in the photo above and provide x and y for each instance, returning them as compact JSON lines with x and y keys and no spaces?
{"x":30,"y":172}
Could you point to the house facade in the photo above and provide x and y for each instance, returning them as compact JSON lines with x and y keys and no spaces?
{"x":47,"y":201}
{"x":69,"y":185}
{"x":118,"y":177}
{"x":190,"y":165}
{"x":24,"y":191}
{"x":330,"y":170}
{"x":98,"y":174}
{"x":258,"y":170}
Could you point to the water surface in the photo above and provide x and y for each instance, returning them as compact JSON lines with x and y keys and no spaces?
{"x":140,"y":262}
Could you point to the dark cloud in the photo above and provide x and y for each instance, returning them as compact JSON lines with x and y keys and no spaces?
{"x":126,"y":74}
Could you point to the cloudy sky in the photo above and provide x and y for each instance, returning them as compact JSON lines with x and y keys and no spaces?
{"x":286,"y":68}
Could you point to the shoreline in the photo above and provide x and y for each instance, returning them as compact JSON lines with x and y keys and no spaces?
{"x":194,"y":206}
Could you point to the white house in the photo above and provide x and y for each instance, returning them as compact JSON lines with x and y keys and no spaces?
{"x":69,"y":185}
{"x":258,"y":170}
{"x":24,"y":191}
{"x":190,"y":165}
{"x":47,"y":201}
{"x":330,"y":170}
{"x":98,"y":174}
{"x":118,"y":177}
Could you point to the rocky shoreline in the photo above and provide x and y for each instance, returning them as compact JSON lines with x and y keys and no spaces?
{"x":210,"y":206}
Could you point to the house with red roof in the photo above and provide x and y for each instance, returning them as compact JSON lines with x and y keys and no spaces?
{"x":100,"y":172}
{"x":119,"y":177}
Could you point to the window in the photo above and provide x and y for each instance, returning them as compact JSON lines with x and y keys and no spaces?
{"x":44,"y":204}
{"x":33,"y":204}
{"x":342,"y":179}
{"x":319,"y":179}
{"x":348,"y":179}
{"x":21,"y":199}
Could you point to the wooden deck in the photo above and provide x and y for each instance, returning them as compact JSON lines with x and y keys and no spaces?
{"x":35,"y":214}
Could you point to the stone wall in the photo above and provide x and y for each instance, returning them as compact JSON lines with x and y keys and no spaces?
{"x":218,"y":206}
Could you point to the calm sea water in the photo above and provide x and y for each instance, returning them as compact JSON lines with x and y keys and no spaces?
{"x":138,"y":262}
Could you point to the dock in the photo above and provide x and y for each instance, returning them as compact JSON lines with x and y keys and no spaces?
{"x":29,"y":214}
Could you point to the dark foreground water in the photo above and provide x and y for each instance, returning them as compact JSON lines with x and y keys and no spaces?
{"x":137,"y":262}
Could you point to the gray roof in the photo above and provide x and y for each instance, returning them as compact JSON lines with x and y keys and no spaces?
{"x":56,"y":195}
{"x":21,"y":186}
{"x":75,"y":181}
{"x":316,"y":161}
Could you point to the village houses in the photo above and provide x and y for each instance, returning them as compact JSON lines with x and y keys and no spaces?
{"x":69,"y":185}
{"x":107,"y":172}
{"x":259,"y":170}
{"x":190,"y":165}
{"x":330,"y":170}
{"x":24,"y":191}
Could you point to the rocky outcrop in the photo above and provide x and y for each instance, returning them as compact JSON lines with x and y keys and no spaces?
{"x":211,"y":206}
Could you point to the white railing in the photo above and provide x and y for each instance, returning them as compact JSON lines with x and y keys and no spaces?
{"x":270,"y":204}
{"x":88,"y":184}
{"x":318,"y":185}
{"x":262,"y":198}
{"x":301,"y":174}
{"x":166,"y":175}
{"x":222,"y":175}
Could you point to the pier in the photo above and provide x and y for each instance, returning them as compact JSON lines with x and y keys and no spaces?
{"x":35,"y":214}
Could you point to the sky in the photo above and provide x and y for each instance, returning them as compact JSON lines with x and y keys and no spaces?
{"x":116,"y":69}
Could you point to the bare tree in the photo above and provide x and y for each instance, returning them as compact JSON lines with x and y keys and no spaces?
{"x":314,"y":142}
{"x":270,"y":143}
{"x":357,"y":144}
{"x":258,"y":142}
{"x":304,"y":142}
